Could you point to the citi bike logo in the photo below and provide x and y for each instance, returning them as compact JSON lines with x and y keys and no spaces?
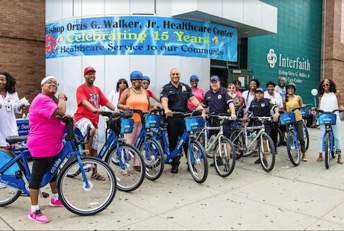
{"x":271,"y":58}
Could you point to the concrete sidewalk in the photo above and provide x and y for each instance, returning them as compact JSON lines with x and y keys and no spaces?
{"x":307,"y":197}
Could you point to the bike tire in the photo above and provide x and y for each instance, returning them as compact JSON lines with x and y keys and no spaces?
{"x":305,"y":135}
{"x":80,"y":198}
{"x":9,"y":194}
{"x":227,"y":157}
{"x":293,"y":149}
{"x":128,"y":177}
{"x":327,"y":150}
{"x":197,"y":161}
{"x":267,"y":155}
{"x":153,"y":155}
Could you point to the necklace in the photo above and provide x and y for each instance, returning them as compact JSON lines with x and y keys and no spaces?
{"x":89,"y":89}
{"x":137,"y":91}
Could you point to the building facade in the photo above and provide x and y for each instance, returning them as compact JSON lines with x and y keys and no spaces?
{"x":305,"y":38}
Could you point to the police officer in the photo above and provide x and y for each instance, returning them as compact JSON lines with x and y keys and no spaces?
{"x":217,"y":101}
{"x":261,"y":106}
{"x":174,"y":97}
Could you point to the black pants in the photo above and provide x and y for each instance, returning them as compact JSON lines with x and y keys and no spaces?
{"x":227,"y":129}
{"x":274,"y":132}
{"x":175,"y":130}
{"x":39,"y":167}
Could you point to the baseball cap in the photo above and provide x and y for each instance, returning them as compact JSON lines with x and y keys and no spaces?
{"x":215,"y":78}
{"x":260,"y":90}
{"x":88,"y":69}
{"x":47,"y":78}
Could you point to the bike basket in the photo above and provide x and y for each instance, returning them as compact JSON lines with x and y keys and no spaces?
{"x":194,"y":123}
{"x":152,"y":121}
{"x":327,"y":119}
{"x":304,"y":113}
{"x":126,"y":125}
{"x":287,"y":118}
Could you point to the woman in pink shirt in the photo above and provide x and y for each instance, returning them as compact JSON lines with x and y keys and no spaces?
{"x":45,"y":142}
{"x":196,"y":91}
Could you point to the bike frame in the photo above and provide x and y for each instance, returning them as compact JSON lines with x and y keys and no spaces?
{"x":292,"y":128}
{"x":328,"y":130}
{"x":22,"y":181}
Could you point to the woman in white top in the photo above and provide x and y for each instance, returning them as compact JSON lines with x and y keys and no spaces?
{"x":8,"y":107}
{"x":329,"y":100}
{"x":114,"y":95}
{"x":250,"y":94}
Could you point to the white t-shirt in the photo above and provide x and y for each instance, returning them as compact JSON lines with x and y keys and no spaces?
{"x":248,"y":97}
{"x":281,"y":91}
{"x":275,"y":99}
{"x":8,"y":121}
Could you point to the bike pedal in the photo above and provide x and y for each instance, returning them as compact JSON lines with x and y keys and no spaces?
{"x":84,"y":151}
{"x":44,"y":195}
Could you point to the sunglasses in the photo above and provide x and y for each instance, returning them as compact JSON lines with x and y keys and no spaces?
{"x":326,"y":85}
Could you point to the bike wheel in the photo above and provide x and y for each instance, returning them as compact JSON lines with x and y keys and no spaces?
{"x":327,"y":150}
{"x":130,"y":171}
{"x":238,"y":140}
{"x":154,"y":158}
{"x":197,"y":162}
{"x":89,"y":195}
{"x":305,"y":135}
{"x":8,"y":195}
{"x":267,"y":153}
{"x":226,"y":153}
{"x":293,"y":149}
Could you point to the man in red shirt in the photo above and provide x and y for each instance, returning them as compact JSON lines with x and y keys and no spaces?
{"x":89,"y":99}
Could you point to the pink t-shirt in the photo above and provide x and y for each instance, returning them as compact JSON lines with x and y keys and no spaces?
{"x":199,"y":94}
{"x":46,"y":132}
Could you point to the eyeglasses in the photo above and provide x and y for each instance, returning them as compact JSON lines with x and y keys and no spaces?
{"x":326,"y":85}
{"x":50,"y":82}
{"x":231,"y":88}
{"x":145,"y":83}
{"x":91,"y":74}
{"x":194,"y":81}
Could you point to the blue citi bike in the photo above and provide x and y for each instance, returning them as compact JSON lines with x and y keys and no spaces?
{"x":81,"y":195}
{"x":328,"y":118}
{"x":124,"y":159}
{"x":149,"y":147}
{"x":196,"y":156}
{"x":293,"y":144}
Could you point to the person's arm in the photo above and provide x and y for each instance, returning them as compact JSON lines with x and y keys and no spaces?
{"x":196,"y":103}
{"x":121,"y":102}
{"x":164,"y":103}
{"x":232,"y":108}
{"x":110,"y":106}
{"x":61,"y":105}
{"x":301,"y":102}
{"x":156,"y":98}
{"x":339,"y":100}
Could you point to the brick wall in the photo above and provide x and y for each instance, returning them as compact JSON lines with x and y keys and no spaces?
{"x":334,"y":46}
{"x":22,"y":43}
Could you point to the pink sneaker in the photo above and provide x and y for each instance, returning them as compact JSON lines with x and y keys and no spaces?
{"x":55,"y":203}
{"x":38,"y":216}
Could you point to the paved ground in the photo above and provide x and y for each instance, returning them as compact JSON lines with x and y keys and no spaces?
{"x":307,"y":197}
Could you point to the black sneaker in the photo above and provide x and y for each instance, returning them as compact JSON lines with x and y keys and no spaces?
{"x":219,"y":162}
{"x":174,"y":169}
{"x":257,"y":161}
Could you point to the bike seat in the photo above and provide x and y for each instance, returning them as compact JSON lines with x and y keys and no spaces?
{"x":15,"y":139}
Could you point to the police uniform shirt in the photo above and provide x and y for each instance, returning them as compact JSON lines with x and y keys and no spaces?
{"x":177,"y":96}
{"x":261,"y":108}
{"x":217,"y":101}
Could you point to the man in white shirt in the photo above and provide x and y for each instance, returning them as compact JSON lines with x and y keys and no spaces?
{"x":281,"y":87}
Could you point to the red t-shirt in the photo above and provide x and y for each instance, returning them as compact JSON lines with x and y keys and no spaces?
{"x":93,"y":95}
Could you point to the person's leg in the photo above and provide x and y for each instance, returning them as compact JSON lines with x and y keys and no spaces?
{"x":321,"y":143}
{"x":300,"y":136}
{"x":337,"y":140}
{"x":131,"y":138}
{"x":39,"y":167}
{"x":172,"y":131}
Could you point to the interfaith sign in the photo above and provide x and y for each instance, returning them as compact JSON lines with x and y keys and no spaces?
{"x":140,"y":35}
